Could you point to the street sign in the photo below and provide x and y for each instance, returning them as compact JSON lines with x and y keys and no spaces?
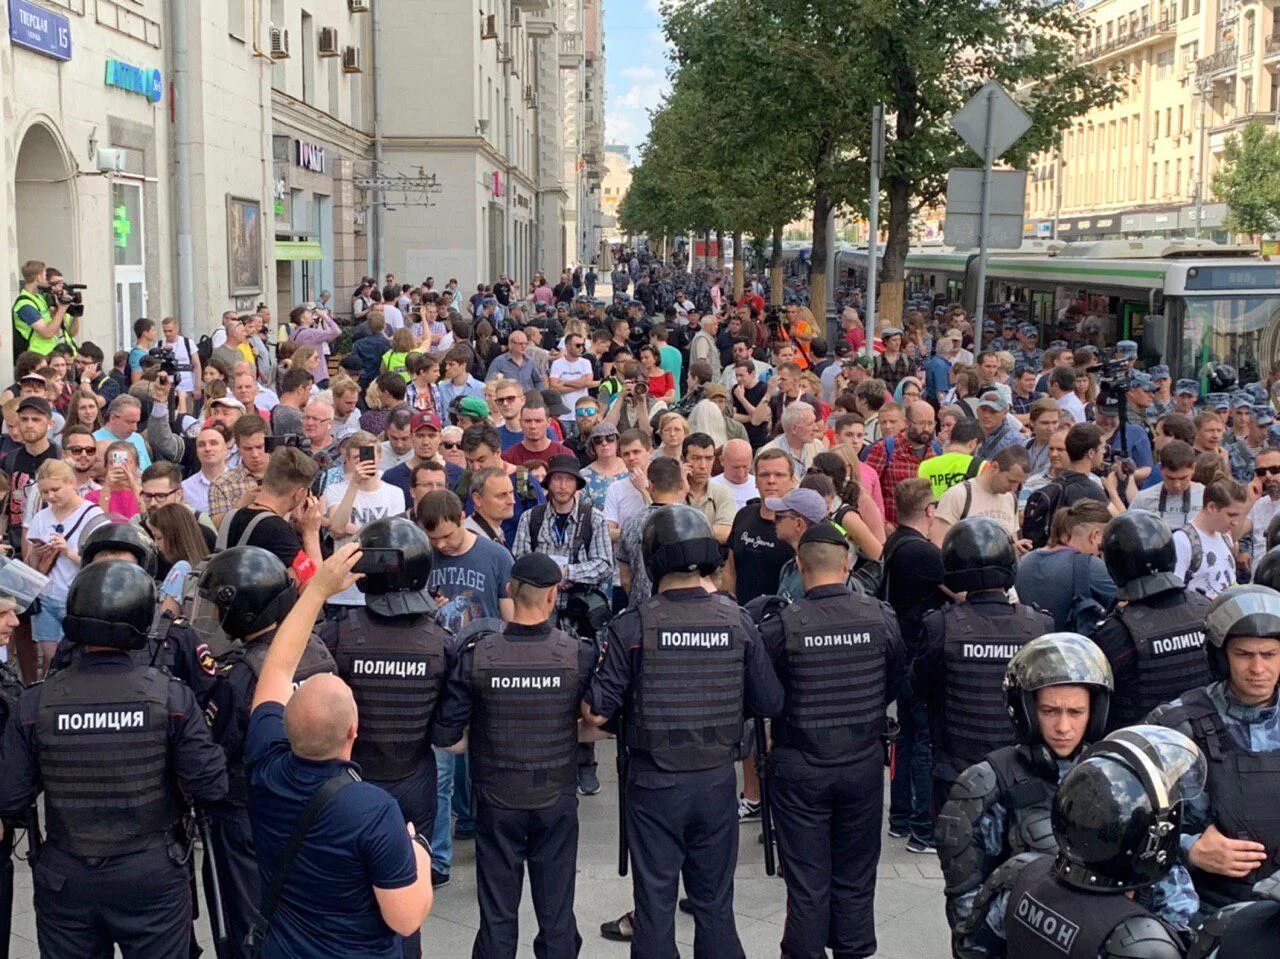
{"x":1008,"y":120}
{"x":1006,"y":196}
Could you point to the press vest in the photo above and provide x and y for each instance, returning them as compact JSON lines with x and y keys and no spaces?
{"x":835,"y":665}
{"x":1170,"y":647}
{"x":104,"y":749}
{"x":976,"y":650}
{"x":1027,"y":797}
{"x":524,"y":722}
{"x":396,"y":672}
{"x":1242,"y":790}
{"x":688,"y":702}
{"x":1046,"y":918}
{"x":25,"y":335}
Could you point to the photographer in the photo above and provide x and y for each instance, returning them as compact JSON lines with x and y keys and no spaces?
{"x":358,"y":499}
{"x":42,"y":315}
{"x":1127,"y":441}
{"x":634,"y":407}
{"x":185,"y":354}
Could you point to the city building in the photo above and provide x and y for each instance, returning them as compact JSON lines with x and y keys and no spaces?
{"x":1192,"y":73}
{"x":616,"y":182}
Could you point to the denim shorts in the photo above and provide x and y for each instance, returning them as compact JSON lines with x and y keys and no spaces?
{"x":46,"y":625}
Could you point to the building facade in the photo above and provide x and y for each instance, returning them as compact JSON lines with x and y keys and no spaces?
{"x":614,"y":186}
{"x":1192,"y":73}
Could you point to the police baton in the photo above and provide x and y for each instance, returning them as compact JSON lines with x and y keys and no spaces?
{"x":766,"y":815}
{"x":212,"y":886}
{"x":34,"y":840}
{"x":624,"y":850}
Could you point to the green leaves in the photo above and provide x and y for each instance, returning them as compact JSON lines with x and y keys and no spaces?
{"x":1248,"y":180}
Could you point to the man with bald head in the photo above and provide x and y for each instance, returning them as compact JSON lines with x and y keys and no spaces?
{"x":735,"y":458}
{"x":359,"y":868}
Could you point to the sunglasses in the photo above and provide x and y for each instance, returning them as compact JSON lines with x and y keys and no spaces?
{"x":587,"y":411}
{"x":447,"y":444}
{"x":81,"y":450}
{"x":1267,"y":471}
{"x":601,"y":440}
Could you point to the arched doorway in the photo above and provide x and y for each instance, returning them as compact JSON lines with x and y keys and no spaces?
{"x":44,"y":190}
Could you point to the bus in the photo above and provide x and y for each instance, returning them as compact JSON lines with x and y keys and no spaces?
{"x":1185,"y":302}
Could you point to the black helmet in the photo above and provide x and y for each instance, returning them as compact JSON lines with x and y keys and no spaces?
{"x":1220,"y":377}
{"x":1266,"y":572}
{"x":678,"y":539}
{"x":1117,"y":812}
{"x":1057,"y":659}
{"x":126,"y":537}
{"x":395,"y":587}
{"x":1273,"y":532}
{"x":1239,"y":611}
{"x":111,"y":603}
{"x":978,"y":554}
{"x":250,"y":587}
{"x":1137,"y":547}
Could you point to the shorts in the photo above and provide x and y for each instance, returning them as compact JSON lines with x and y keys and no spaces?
{"x":46,"y":625}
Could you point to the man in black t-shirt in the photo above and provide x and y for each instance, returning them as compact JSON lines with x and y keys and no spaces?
{"x":285,"y":491}
{"x":756,"y":555}
{"x":750,"y":403}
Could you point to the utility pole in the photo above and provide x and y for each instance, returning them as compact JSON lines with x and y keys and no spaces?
{"x":1203,"y":86}
{"x":873,"y":247}
{"x":980,"y":307}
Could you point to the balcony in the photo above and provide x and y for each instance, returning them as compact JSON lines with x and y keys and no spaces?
{"x":1272,"y":48}
{"x":531,"y":6}
{"x":1132,"y":39}
{"x":1220,"y":61}
{"x":570,"y":51}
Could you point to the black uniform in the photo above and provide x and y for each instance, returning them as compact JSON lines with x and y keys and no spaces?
{"x":396,"y":668}
{"x":519,"y":691}
{"x":960,"y":676}
{"x":681,"y":788}
{"x":113,"y":746}
{"x":228,"y":714}
{"x":10,"y":692}
{"x":839,"y":657}
{"x":1156,"y":649}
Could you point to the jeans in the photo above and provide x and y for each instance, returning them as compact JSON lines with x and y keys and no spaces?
{"x":453,"y":795}
{"x":911,"y":786}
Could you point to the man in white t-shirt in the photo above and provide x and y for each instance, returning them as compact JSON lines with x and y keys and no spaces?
{"x":1062,"y":387}
{"x":571,"y":377}
{"x":1206,"y":553}
{"x":185,"y":353}
{"x":1175,"y":499}
{"x":736,"y":460}
{"x":1266,"y":485}
{"x":358,"y":499}
{"x":993,"y":493}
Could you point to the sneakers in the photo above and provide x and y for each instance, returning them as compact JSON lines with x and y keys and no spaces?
{"x":921,"y":846}
{"x":439,"y":879}
{"x":619,"y":930}
{"x":588,"y":781}
{"x":748,"y":809}
{"x":896,"y":832}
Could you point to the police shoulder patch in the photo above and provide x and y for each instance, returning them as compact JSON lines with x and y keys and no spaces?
{"x":205,"y":657}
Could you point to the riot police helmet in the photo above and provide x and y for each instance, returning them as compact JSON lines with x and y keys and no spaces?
{"x":111,"y":603}
{"x":677,"y":539}
{"x":20,"y":585}
{"x":396,"y":564}
{"x":1057,"y":659}
{"x":1266,"y":572}
{"x":1137,"y":547}
{"x":128,"y":538}
{"x":1252,"y":611}
{"x":250,"y":588}
{"x":1117,"y":813}
{"x":1220,"y":377}
{"x":978,"y":554}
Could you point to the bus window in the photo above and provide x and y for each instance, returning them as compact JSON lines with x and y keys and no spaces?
{"x":1241,"y":330}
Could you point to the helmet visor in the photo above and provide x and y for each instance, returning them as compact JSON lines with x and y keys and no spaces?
{"x":1059,"y":659}
{"x":1171,"y":765}
{"x":1244,"y":612}
{"x":19,"y":585}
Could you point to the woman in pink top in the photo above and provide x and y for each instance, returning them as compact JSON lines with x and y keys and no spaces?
{"x":120,"y":484}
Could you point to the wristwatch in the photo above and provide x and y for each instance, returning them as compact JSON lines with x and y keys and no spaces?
{"x":422,"y":841}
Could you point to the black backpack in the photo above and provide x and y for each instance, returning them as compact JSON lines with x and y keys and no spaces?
{"x":204,"y":348}
{"x":1037,"y":516}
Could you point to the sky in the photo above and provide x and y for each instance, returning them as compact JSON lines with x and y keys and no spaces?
{"x":635,"y":70}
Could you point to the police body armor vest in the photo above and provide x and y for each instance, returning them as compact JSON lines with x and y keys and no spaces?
{"x":1170,"y":647}
{"x":10,"y":689}
{"x":396,"y":672}
{"x":1027,"y":797}
{"x":976,"y":650}
{"x":524,"y":723}
{"x":104,"y":751}
{"x":1044,"y":917}
{"x":688,"y":702}
{"x":834,"y":652}
{"x":248,"y":659}
{"x":1242,"y":790}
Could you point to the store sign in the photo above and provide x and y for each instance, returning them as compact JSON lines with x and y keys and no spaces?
{"x":309,"y":156}
{"x":139,"y":80}
{"x":497,"y":184}
{"x":37,"y":29}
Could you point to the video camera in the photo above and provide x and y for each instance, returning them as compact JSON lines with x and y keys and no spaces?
{"x":773,"y":322}
{"x":70,"y":296}
{"x":166,"y":359}
{"x":274,"y":443}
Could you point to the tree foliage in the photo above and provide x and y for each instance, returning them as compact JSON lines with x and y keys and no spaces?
{"x":1248,"y":180}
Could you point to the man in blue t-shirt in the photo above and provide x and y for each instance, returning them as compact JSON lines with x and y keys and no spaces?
{"x":360,"y":881}
{"x":144,"y":332}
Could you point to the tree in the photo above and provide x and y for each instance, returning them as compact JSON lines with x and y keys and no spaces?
{"x":1248,"y":180}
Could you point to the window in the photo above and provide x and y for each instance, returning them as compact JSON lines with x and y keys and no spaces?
{"x":308,"y":58}
{"x":235,"y":19}
{"x":1181,"y":117}
{"x":1246,"y":97}
{"x":1177,"y":176}
{"x":1164,"y":64}
{"x":1168,"y":121}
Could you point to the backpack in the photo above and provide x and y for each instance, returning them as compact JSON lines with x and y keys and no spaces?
{"x":586,"y":528}
{"x":1085,"y":612}
{"x":204,"y":348}
{"x":202,"y":613}
{"x":1037,"y":515}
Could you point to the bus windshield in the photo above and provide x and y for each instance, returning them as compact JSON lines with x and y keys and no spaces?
{"x":1229,"y":329}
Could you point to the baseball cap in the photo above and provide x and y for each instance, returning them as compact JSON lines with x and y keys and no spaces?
{"x":424,"y":420}
{"x":227,"y":400}
{"x":992,"y":400}
{"x":536,"y":569}
{"x":38,"y":403}
{"x":825,"y":533}
{"x":1241,"y":401}
{"x":1141,"y":381}
{"x":1108,"y":405}
{"x":473,"y":407}
{"x":712,"y":390}
{"x":1029,"y":329}
{"x":889,"y":331}
{"x":1262,"y":415}
{"x":1187,"y":388}
{"x":1218,"y":401}
{"x":806,"y":502}
{"x":1158,"y":373}
{"x":1058,"y":344}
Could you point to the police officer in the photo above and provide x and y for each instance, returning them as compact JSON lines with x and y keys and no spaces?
{"x":392,"y":654}
{"x":1243,"y":930}
{"x":1232,"y":832}
{"x":1115,"y":821}
{"x":1027,"y":353}
{"x":1154,"y":639}
{"x":253,"y":593}
{"x":519,"y":690}
{"x":680,"y":789}
{"x":19,"y":587}
{"x":114,"y":746}
{"x":839,"y":656}
{"x":967,"y":645}
{"x":1057,"y":690}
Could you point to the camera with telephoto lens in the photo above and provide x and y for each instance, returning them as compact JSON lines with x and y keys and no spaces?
{"x":167,"y":360}
{"x":298,"y":442}
{"x":586,"y":612}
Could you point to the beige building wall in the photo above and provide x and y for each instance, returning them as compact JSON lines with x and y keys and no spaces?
{"x":616,"y":182}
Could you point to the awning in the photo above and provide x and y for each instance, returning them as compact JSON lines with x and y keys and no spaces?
{"x":298,"y":250}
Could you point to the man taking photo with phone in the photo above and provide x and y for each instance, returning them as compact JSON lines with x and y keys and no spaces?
{"x":359,"y":499}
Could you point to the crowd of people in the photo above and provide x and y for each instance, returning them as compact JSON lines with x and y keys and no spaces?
{"x":357,"y":586}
